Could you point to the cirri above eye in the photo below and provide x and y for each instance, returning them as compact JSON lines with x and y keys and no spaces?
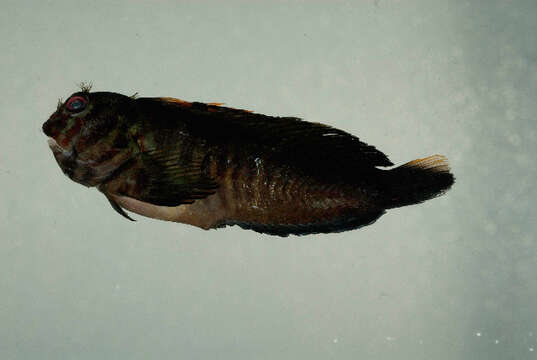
{"x":76,"y":104}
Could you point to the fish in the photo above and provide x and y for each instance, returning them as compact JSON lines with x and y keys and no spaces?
{"x":212,"y":166}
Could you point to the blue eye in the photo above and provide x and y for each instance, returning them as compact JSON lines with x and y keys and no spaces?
{"x":76,"y":103}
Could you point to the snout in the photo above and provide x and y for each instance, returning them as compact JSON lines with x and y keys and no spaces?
{"x":48,"y":128}
{"x":51,"y":126}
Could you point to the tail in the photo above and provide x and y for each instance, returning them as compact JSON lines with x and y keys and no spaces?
{"x":417,"y":181}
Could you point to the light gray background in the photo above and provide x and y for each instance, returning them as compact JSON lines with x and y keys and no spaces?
{"x":454,"y":278}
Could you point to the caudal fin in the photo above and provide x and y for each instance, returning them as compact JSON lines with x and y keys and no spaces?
{"x":417,"y":181}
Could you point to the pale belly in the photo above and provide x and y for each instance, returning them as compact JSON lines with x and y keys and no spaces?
{"x":206,"y":213}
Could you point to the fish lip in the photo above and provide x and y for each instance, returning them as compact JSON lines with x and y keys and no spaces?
{"x":53,"y":144}
{"x":57,"y":148}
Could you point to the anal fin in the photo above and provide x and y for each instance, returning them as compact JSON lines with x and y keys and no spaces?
{"x":339,"y":224}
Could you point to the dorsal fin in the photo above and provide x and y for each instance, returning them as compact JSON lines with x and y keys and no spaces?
{"x":175,"y":101}
{"x":212,"y":106}
{"x":311,"y":148}
{"x":287,"y":138}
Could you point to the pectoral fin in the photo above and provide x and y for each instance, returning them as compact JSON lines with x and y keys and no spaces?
{"x":169,"y":183}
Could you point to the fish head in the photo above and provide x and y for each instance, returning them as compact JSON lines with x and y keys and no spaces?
{"x":89,"y":135}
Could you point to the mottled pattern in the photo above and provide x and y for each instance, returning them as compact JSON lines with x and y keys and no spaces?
{"x":212,"y":166}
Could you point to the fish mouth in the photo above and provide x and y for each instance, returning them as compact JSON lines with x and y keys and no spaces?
{"x":57,"y":149}
{"x":86,"y":171}
{"x":66,"y":158}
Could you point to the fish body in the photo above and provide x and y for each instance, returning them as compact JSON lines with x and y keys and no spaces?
{"x":211,"y":166}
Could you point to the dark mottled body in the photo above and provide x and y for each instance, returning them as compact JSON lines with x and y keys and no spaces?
{"x":211,"y":166}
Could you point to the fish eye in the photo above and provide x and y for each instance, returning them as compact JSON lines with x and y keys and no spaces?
{"x":76,"y":104}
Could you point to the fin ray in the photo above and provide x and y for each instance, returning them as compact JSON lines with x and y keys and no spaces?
{"x":168,"y":183}
{"x":118,"y":208}
{"x":417,"y":180}
{"x":341,"y":224}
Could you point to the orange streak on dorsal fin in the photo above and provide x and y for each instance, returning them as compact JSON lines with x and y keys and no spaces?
{"x":189,"y":104}
{"x":221,"y":105}
{"x":176,"y":101}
